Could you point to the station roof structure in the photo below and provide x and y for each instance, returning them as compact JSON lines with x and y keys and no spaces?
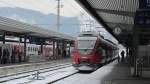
{"x":113,"y":14}
{"x":11,"y":25}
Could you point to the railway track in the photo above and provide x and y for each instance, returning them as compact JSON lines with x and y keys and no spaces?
{"x":51,"y":75}
{"x":62,"y":78}
{"x":33,"y":72}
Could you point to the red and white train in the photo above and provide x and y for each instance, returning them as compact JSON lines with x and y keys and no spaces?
{"x":91,"y":51}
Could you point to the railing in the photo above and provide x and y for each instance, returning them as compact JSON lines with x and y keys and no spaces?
{"x":143,"y":64}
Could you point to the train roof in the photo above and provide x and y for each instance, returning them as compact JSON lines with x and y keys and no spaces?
{"x":90,"y":34}
{"x":86,"y":38}
{"x":108,"y":42}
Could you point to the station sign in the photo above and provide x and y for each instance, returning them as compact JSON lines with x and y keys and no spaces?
{"x":144,"y":4}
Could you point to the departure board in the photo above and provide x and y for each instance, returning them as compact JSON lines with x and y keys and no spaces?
{"x":142,"y":17}
{"x":144,"y":4}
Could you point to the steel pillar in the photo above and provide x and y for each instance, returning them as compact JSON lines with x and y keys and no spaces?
{"x":25,"y":45}
{"x":3,"y":37}
{"x":41,"y":49}
{"x":69,"y":50}
{"x":57,"y":50}
{"x":54,"y":49}
{"x":135,"y":43}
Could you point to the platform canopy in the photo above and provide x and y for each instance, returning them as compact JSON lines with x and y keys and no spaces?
{"x":14,"y":26}
{"x":117,"y":16}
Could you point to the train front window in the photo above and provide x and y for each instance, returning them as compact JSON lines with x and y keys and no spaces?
{"x":86,"y":44}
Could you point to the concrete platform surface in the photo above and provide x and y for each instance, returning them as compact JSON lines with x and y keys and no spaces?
{"x":113,"y":73}
{"x":117,"y":73}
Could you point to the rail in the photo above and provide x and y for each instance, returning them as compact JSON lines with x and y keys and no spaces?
{"x":33,"y":72}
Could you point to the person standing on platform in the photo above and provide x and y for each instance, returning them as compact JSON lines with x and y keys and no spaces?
{"x":19,"y":56}
{"x":4,"y":59}
{"x":64,"y":53}
{"x":13,"y":55}
{"x":122,"y":56}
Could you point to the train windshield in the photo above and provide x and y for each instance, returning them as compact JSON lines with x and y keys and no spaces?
{"x":86,"y":43}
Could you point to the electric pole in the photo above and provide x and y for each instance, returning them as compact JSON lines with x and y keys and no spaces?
{"x":58,"y":15}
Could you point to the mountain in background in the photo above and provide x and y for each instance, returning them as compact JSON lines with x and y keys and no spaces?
{"x":68,"y":25}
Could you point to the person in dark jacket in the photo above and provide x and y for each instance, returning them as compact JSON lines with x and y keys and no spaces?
{"x":4,"y":59}
{"x":7,"y":56}
{"x":13,"y":59}
{"x":64,"y":53}
{"x":122,"y":56}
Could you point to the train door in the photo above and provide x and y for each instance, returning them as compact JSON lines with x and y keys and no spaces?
{"x":108,"y":52}
{"x":102,"y":54}
{"x":105,"y":53}
{"x":99,"y":53}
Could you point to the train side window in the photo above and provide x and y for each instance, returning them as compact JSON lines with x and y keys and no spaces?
{"x":103,"y":52}
{"x":33,"y":49}
{"x":28,"y":48}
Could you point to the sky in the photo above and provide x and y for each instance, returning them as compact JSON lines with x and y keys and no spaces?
{"x":46,"y":6}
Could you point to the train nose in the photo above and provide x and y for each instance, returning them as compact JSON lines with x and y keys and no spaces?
{"x":85,"y":60}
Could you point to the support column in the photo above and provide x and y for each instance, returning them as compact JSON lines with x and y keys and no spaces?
{"x":25,"y":45}
{"x":135,"y":49}
{"x":41,"y":48}
{"x":20,"y":40}
{"x":53,"y":49}
{"x":3,"y":37}
{"x":69,"y":50}
{"x":64,"y":49}
{"x":127,"y":52}
{"x":63,"y":44}
{"x":57,"y":50}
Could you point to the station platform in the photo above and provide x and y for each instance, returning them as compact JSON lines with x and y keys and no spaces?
{"x":113,"y":73}
{"x":12,"y":69}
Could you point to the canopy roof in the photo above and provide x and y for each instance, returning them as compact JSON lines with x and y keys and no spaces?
{"x":113,"y":14}
{"x":11,"y":25}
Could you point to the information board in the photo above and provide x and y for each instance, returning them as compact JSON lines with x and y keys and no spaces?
{"x":142,"y":17}
{"x":144,"y":4}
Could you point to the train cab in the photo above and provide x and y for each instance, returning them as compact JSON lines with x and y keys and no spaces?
{"x":91,"y":51}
